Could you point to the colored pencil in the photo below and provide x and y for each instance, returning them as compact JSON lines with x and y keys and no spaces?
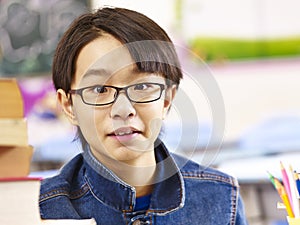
{"x":286,"y":182}
{"x":283,"y":195}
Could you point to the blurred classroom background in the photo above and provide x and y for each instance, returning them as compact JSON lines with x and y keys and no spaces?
{"x":238,"y":107}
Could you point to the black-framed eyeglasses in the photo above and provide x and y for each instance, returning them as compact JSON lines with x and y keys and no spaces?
{"x":99,"y":95}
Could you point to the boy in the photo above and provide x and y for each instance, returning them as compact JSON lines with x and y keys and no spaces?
{"x":116,"y":73}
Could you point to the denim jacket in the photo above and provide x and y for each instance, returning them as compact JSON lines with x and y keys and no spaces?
{"x":185,"y":193}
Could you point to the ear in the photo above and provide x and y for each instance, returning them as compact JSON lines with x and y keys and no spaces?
{"x":66,"y":105}
{"x":169,"y":97}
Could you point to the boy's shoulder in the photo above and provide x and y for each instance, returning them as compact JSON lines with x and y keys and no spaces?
{"x":193,"y":170}
{"x":62,"y":182}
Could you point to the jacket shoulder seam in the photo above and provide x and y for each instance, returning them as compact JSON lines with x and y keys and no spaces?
{"x":211,"y":177}
{"x":53,"y":193}
{"x":64,"y":192}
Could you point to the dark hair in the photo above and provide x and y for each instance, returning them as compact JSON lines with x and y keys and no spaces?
{"x":152,"y":50}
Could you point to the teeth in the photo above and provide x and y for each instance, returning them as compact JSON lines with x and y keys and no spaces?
{"x":123,"y":133}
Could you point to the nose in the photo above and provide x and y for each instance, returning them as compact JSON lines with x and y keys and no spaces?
{"x":122,"y":108}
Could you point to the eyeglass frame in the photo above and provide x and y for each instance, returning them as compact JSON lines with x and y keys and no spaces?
{"x":118,"y":90}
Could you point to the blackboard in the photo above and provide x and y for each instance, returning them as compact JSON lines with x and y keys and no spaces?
{"x":29,"y":32}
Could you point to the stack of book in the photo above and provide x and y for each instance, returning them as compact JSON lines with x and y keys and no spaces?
{"x":19,"y":193}
{"x":15,"y":153}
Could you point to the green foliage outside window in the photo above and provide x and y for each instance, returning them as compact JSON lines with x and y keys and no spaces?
{"x":214,"y":49}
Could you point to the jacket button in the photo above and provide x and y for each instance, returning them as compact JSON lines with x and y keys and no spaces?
{"x":137,"y":222}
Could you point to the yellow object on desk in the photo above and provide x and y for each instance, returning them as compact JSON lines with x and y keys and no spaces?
{"x":293,"y":221}
{"x":284,"y":197}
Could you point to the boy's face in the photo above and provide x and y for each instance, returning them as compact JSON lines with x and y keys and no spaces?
{"x":124,"y":131}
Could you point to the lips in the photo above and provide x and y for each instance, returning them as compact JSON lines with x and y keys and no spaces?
{"x":124,"y":131}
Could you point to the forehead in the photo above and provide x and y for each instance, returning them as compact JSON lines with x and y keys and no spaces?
{"x":104,"y":54}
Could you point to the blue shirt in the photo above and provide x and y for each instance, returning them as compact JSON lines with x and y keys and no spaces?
{"x":142,"y":203}
{"x":184,"y":193}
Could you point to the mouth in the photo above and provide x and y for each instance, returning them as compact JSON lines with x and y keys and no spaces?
{"x":125,"y":132}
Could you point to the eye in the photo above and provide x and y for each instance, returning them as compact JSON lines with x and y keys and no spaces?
{"x":141,"y":87}
{"x":100,"y":89}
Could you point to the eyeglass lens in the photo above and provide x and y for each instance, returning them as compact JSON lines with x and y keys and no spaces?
{"x":143,"y":92}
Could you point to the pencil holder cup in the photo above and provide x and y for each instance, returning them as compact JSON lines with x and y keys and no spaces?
{"x":293,"y":221}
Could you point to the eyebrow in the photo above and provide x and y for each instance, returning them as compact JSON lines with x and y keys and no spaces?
{"x":97,"y":72}
{"x":105,"y":72}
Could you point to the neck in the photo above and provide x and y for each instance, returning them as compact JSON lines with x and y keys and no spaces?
{"x":139,"y":173}
{"x":140,"y":177}
{"x":143,"y":190}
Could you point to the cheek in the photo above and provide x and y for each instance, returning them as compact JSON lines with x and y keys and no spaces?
{"x":154,"y":128}
{"x":88,"y":120}
{"x":152,"y":118}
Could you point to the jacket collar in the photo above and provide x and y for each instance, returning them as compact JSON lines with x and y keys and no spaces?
{"x":168,"y":193}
